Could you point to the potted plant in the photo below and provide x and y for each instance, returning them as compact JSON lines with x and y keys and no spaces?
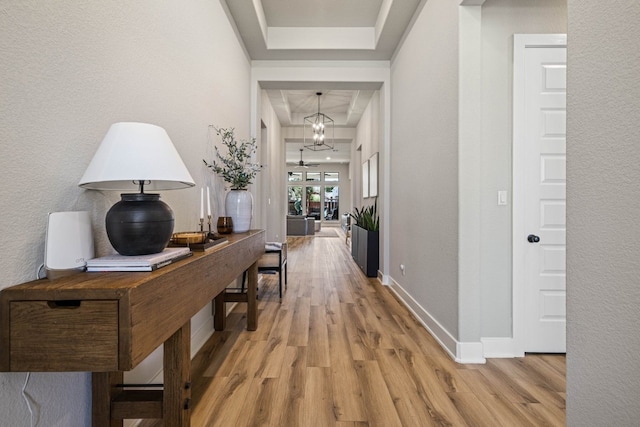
{"x":367,"y":217}
{"x":365,"y":239}
{"x":238,"y":170}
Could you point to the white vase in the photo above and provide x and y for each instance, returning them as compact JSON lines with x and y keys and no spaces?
{"x":238,"y":205}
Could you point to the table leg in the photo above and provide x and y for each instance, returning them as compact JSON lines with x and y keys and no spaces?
{"x":219,"y":312}
{"x":177,"y":378}
{"x":103,"y":388}
{"x":252,"y":298}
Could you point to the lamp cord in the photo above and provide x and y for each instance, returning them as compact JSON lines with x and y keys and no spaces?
{"x":39,"y":271}
{"x":27,"y":398}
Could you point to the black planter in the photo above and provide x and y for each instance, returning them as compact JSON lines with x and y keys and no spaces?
{"x":365,"y":250}
{"x":139,"y":224}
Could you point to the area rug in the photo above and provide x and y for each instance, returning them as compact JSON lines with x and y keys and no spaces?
{"x":326,"y":232}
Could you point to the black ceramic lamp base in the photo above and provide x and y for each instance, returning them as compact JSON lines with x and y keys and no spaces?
{"x":139,"y":224}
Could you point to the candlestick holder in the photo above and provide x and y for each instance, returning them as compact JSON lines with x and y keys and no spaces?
{"x":197,"y":240}
{"x":201,"y":224}
{"x":209,"y":222}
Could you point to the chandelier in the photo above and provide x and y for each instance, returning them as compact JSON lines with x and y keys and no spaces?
{"x":318,"y":130}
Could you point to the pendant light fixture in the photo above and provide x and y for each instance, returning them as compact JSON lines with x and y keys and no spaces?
{"x":318,"y":130}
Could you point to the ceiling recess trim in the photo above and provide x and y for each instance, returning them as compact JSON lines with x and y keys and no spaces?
{"x":363,"y":38}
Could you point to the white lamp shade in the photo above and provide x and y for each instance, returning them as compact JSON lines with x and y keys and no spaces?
{"x":134,"y":152}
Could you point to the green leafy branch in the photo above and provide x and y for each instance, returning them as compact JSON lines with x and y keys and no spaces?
{"x":236,"y":167}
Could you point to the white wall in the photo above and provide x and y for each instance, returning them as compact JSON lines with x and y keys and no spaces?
{"x":424,"y":165}
{"x":603,"y":201}
{"x":69,"y":70}
{"x":500,"y":20}
{"x":451,"y":128}
{"x":275,"y":196}
{"x":367,"y":141}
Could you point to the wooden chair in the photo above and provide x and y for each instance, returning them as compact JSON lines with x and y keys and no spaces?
{"x":273,"y":261}
{"x":346,"y":226}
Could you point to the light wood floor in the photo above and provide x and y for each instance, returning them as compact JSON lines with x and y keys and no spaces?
{"x":340,"y":350}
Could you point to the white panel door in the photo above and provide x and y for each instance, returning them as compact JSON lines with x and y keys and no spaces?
{"x":545,"y":199}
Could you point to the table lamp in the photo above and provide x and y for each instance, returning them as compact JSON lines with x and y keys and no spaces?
{"x":137,"y":156}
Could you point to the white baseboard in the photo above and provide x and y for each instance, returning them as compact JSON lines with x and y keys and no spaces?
{"x":441,"y":335}
{"x":383,"y":278}
{"x":470,"y":353}
{"x":499,"y":348}
{"x":461,"y":352}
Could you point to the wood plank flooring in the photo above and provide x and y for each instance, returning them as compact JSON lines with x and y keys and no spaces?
{"x":340,"y":350}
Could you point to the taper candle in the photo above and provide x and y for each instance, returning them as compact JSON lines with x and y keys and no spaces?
{"x":202,"y":203}
{"x":208,"y":203}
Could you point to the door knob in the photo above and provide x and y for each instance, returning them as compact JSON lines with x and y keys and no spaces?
{"x":532,"y":238}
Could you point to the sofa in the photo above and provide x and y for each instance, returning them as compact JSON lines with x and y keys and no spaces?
{"x":298,"y":225}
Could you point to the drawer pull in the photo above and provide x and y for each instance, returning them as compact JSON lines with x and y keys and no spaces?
{"x":71,"y":303}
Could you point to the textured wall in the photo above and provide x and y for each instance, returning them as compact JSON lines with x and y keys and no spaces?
{"x":424,"y":163}
{"x":603,"y":202}
{"x":69,"y":70}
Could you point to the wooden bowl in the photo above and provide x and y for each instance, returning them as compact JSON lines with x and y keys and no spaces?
{"x":188,"y":238}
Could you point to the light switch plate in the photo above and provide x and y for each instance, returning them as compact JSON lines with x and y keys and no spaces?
{"x":502,"y":198}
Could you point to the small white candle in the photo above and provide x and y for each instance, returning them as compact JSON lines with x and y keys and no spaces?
{"x":208,"y":203}
{"x":202,"y":203}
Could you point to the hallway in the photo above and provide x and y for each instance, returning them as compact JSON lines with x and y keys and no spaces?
{"x":339,"y":350}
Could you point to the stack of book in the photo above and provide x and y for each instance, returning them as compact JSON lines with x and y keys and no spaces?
{"x":149,"y":262}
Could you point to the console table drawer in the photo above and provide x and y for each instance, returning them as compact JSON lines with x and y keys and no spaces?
{"x":75,"y":335}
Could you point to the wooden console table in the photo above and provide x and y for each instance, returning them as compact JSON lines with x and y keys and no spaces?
{"x":107,"y":323}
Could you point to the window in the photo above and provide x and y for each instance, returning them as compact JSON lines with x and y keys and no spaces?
{"x":295,"y":176}
{"x":313,"y":201}
{"x":331,"y":203}
{"x":313,"y":176}
{"x":295,"y":200}
{"x":314,"y":194}
{"x":331,"y":177}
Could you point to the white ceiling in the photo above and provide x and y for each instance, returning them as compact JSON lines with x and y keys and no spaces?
{"x":320,"y":30}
